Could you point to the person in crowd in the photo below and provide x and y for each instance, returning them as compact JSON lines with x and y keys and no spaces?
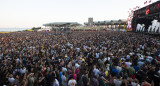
{"x":64,"y":80}
{"x":72,"y":82}
{"x":55,"y":82}
{"x":86,"y":79}
{"x":117,"y":81}
{"x":81,"y":58}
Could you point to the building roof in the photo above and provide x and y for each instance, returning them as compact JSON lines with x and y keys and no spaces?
{"x":122,"y":21}
{"x":114,"y":21}
{"x":107,"y":21}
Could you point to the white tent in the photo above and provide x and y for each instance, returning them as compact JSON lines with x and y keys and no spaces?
{"x":45,"y":29}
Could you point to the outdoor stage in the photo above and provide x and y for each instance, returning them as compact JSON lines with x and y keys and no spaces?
{"x":147,"y":19}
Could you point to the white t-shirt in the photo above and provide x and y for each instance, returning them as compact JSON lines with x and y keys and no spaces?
{"x":142,"y":47}
{"x":18,"y":59}
{"x":123,"y":59}
{"x":134,"y":84}
{"x":128,"y":64}
{"x":56,"y":83}
{"x":128,"y":57}
{"x":119,"y":68}
{"x":64,"y":69}
{"x":149,"y":58}
{"x":140,"y":63}
{"x":107,"y":68}
{"x":105,"y":59}
{"x":97,"y":55}
{"x":11,"y":80}
{"x":117,"y":82}
{"x":64,"y":82}
{"x":22,"y":71}
{"x":141,"y":57}
{"x":96,"y":72}
{"x":101,"y":53}
{"x":72,"y":82}
{"x":104,"y":48}
{"x":78,"y":49}
{"x":77,"y":65}
{"x":108,"y":58}
{"x":63,"y":50}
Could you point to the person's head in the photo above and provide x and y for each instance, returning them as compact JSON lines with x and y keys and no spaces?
{"x":86,"y":73}
{"x":54,"y":79}
{"x":17,"y":77}
{"x":94,"y":66}
{"x":71,"y":77}
{"x":118,"y":77}
{"x":63,"y":73}
{"x":11,"y":75}
{"x":95,"y":77}
{"x":50,"y":72}
{"x":135,"y":80}
{"x":32,"y":74}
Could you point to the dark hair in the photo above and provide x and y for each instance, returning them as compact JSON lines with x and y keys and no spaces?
{"x":63,"y":73}
{"x":118,"y":77}
{"x":71,"y":77}
{"x":53,"y":78}
{"x":85,"y":73}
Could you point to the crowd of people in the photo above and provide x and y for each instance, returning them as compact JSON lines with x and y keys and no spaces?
{"x":81,"y":58}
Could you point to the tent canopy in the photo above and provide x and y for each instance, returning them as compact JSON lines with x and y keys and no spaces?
{"x":62,"y":24}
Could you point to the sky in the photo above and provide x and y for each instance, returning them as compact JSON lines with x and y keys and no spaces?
{"x":35,"y":13}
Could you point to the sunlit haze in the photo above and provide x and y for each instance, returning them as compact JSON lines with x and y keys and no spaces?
{"x":34,"y":13}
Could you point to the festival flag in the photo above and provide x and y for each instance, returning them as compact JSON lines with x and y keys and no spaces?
{"x":158,"y":5}
{"x":150,"y":1}
{"x":72,"y":29}
{"x":132,"y":11}
{"x":137,"y":6}
{"x":145,"y":2}
{"x":92,"y":29}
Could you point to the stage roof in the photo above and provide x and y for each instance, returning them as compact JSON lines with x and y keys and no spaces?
{"x":148,"y":10}
{"x":61,"y":24}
